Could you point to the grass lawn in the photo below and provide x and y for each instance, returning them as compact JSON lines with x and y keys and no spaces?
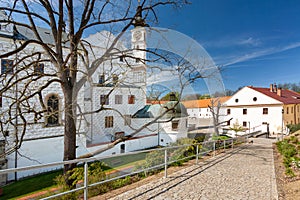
{"x":29,"y":185}
{"x":46,"y":181}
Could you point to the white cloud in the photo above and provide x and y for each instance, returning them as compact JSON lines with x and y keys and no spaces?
{"x":260,"y":53}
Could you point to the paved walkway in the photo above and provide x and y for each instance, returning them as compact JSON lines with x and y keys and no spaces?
{"x":243,"y":173}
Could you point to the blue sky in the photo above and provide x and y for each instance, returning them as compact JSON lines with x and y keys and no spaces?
{"x":256,"y":42}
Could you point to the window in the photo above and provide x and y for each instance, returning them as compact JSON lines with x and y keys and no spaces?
{"x":228,"y":111}
{"x":244,"y":124}
{"x":244,"y":111}
{"x":172,"y":97}
{"x":138,"y":77}
{"x":287,"y":110}
{"x":292,"y":111}
{"x":175,"y":124}
{"x":101,"y":79}
{"x":265,"y":123}
{"x":254,"y":98}
{"x":6,"y":66}
{"x":38,"y":69}
{"x":236,"y":100}
{"x":265,"y":111}
{"x":118,"y":99}
{"x":52,"y":117}
{"x":104,"y":99}
{"x":228,"y":123}
{"x":109,"y":121}
{"x":131,"y":99}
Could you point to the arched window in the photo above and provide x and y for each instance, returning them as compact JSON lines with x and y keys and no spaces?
{"x":52,"y":117}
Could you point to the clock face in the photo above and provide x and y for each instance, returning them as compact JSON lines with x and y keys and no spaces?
{"x":137,"y":35}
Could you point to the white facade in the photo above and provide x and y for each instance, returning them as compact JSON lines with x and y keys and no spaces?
{"x":199,"y":113}
{"x":122,"y":86}
{"x":252,"y":109}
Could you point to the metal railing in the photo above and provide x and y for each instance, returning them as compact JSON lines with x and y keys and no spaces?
{"x":168,"y":153}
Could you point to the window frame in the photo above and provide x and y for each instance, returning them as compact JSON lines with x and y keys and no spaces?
{"x":131,"y":99}
{"x":109,"y":122}
{"x":265,"y":111}
{"x":228,"y":111}
{"x":7,"y":69}
{"x":38,"y":69}
{"x":52,"y":117}
{"x":118,"y":99}
{"x":175,"y":125}
{"x":245,"y":112}
{"x":104,"y":99}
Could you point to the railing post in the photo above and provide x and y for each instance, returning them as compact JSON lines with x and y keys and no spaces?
{"x":197,"y":152}
{"x":232,"y":143}
{"x":166,"y":164}
{"x":85,"y":181}
{"x":224,"y":145}
{"x":214,"y":147}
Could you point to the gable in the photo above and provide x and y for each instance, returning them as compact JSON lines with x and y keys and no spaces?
{"x":249,"y":96}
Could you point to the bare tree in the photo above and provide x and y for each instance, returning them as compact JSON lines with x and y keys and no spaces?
{"x":57,"y":57}
{"x":60,"y":49}
{"x":215,"y":108}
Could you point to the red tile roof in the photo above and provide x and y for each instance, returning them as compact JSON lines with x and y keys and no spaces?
{"x":287,"y":96}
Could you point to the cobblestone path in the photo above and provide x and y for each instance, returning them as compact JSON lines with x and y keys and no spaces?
{"x":246,"y":172}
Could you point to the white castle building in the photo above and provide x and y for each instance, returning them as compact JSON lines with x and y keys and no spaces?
{"x":114,"y":93}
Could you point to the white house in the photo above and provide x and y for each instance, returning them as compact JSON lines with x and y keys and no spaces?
{"x":260,"y":109}
{"x":199,"y":111}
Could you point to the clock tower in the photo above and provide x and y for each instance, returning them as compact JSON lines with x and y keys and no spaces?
{"x":138,"y":37}
{"x":139,"y":46}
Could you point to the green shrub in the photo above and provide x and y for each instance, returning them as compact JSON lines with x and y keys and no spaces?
{"x":286,"y":149}
{"x":289,"y":172}
{"x":293,"y":127}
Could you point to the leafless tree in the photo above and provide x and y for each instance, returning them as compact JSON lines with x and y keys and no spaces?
{"x":215,"y":109}
{"x":65,"y":22}
{"x":60,"y":48}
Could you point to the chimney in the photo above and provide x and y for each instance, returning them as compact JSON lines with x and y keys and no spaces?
{"x":275,"y":87}
{"x":271,"y":88}
{"x":279,"y":92}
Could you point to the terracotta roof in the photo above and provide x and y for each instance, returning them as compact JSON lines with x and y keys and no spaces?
{"x":152,"y":102}
{"x":203,"y":103}
{"x":287,"y":96}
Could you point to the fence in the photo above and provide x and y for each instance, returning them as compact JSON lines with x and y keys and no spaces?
{"x":161,"y":159}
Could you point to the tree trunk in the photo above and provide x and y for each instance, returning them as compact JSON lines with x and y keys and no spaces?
{"x":69,"y":132}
